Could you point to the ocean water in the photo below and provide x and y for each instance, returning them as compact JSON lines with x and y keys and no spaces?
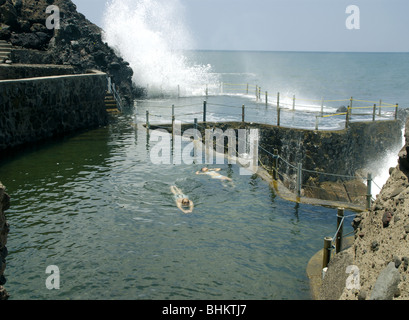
{"x":315,"y":75}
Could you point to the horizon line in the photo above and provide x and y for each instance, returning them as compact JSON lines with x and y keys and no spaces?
{"x":291,"y":51}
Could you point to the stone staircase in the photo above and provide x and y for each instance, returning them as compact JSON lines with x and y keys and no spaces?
{"x":5,"y":51}
{"x":110,"y":103}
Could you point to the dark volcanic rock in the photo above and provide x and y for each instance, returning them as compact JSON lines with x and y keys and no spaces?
{"x":78,"y":42}
{"x":386,"y":219}
{"x":37,"y":40}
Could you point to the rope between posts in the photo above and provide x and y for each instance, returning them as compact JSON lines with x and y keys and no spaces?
{"x":188,"y":105}
{"x":339,"y":227}
{"x":376,"y":184}
{"x":224,"y":105}
{"x":334,"y":115}
{"x":369,"y":107}
{"x":286,"y":162}
{"x":383,"y":103}
{"x":329,"y":174}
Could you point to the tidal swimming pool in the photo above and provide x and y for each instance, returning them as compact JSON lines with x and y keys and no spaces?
{"x":95,"y":206}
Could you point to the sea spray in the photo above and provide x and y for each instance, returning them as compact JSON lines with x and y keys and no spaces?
{"x":151,"y":36}
{"x":381,"y":168}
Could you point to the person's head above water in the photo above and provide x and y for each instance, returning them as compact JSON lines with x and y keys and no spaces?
{"x":185,"y":202}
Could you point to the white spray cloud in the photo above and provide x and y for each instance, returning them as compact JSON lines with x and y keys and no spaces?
{"x":151,"y":36}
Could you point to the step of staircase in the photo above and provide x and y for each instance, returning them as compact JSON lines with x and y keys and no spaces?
{"x":110,"y":103}
{"x":5,"y":50}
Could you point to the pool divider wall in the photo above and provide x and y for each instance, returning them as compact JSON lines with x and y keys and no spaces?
{"x":34,"y":109}
{"x":341,"y":152}
{"x":21,"y":71}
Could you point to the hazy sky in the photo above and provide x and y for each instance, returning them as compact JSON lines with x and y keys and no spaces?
{"x":288,"y":25}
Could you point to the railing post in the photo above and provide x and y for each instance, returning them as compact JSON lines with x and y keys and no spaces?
{"x":350,"y":104}
{"x":380,"y":107}
{"x":374,"y":112}
{"x":396,"y":112}
{"x":207,"y":91}
{"x":278,"y":109}
{"x":299,"y":180}
{"x":242,"y":113}
{"x":109,"y":85}
{"x":247,"y":90}
{"x":322,"y":107}
{"x":195,"y":138}
{"x":293,"y":102}
{"x":340,"y":227}
{"x":204,"y":111}
{"x":195,"y":126}
{"x":178,"y":91}
{"x":316,"y":122}
{"x":275,"y":165}
{"x":369,"y":191}
{"x":326,"y":252}
{"x":256,"y":92}
{"x":147,"y":121}
{"x":347,"y":118}
{"x":173,"y":118}
{"x":266,"y":98}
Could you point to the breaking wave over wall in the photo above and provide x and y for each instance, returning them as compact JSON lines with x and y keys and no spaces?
{"x":152,"y":36}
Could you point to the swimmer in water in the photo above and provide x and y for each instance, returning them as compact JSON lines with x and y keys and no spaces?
{"x":213,"y":173}
{"x":182,"y":200}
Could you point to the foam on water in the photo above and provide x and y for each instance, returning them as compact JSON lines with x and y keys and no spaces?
{"x":151,"y":36}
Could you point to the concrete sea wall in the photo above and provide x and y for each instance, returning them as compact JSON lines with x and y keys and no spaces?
{"x":334,"y":163}
{"x":34,"y":109}
{"x":341,"y":152}
{"x":331,"y":160}
{"x":21,"y":71}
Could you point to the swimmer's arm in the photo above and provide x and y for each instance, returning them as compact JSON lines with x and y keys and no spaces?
{"x":188,"y":211}
{"x":191,"y":206}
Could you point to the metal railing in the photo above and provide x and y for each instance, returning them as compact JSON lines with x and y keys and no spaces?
{"x":114,"y":92}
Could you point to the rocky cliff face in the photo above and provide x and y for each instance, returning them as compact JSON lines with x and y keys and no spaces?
{"x":380,"y":249}
{"x":77,"y":42}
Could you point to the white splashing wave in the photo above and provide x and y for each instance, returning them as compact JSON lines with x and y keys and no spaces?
{"x":151,"y":36}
